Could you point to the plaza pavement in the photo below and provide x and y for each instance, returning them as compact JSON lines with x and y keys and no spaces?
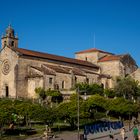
{"x":97,"y":136}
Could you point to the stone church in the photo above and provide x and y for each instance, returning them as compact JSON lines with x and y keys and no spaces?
{"x":24,"y":70}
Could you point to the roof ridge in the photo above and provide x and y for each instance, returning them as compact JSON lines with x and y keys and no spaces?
{"x":110,"y":58}
{"x":102,"y":57}
{"x":54,"y":57}
{"x":93,"y":50}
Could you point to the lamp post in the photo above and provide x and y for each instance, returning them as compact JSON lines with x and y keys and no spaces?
{"x":78,"y":136}
{"x":78,"y":110}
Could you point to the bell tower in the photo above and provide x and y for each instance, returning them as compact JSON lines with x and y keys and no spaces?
{"x":9,"y":38}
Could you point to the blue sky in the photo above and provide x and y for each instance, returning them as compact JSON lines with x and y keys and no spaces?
{"x":63,"y":27}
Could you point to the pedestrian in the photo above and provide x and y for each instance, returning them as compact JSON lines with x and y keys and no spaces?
{"x":123,"y":133}
{"x":111,"y":135}
{"x":135,"y":132}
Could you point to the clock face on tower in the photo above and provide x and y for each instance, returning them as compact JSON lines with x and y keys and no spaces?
{"x":5,"y":66}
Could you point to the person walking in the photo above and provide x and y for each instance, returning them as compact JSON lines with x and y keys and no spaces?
{"x":123,"y":133}
{"x":135,"y":132}
{"x":111,"y":135}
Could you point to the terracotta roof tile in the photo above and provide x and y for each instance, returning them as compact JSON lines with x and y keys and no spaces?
{"x":34,"y":76}
{"x":58,"y":69}
{"x":44,"y":70}
{"x":77,"y":71}
{"x":48,"y":71}
{"x":90,"y":72}
{"x":37,"y":68}
{"x":54,"y":57}
{"x":110,"y":58}
{"x":105,"y":76}
{"x":93,"y":50}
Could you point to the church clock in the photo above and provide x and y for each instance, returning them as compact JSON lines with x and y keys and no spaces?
{"x":5,"y":66}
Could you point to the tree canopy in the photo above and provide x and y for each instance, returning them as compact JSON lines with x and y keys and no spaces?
{"x":127,"y":87}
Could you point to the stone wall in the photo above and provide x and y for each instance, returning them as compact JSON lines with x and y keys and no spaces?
{"x":91,"y":57}
{"x":20,"y":84}
{"x":32,"y":84}
{"x":66,"y":79}
{"x":8,"y":72}
{"x":58,"y":79}
{"x":48,"y":85}
{"x":110,"y":68}
{"x":136,"y":75}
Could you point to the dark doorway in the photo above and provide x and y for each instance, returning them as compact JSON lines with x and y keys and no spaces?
{"x":7,"y":91}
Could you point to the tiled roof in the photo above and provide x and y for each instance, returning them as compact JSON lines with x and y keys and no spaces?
{"x":51,"y":69}
{"x":37,"y":68}
{"x":60,"y":69}
{"x":110,"y":58}
{"x":90,"y":72}
{"x":32,"y":74}
{"x":54,"y":57}
{"x":57,"y":68}
{"x":44,"y":70}
{"x":77,"y":71}
{"x":48,"y":71}
{"x":104,"y":76}
{"x":93,"y":50}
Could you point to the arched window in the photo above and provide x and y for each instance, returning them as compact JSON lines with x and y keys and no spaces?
{"x":87,"y":80}
{"x":75,"y":79}
{"x":63,"y":84}
{"x":6,"y":91}
{"x":12,"y":43}
{"x":50,"y":80}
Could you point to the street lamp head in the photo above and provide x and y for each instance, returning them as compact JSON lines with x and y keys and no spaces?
{"x":85,"y":96}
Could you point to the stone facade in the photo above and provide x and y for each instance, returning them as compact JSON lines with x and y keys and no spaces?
{"x":8,"y":77}
{"x":24,"y":70}
{"x":136,"y":75}
{"x":110,"y":64}
{"x":91,"y":55}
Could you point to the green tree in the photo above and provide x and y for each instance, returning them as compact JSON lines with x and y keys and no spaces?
{"x":96,"y":89}
{"x":68,"y":111}
{"x":90,"y":89}
{"x":55,"y":95}
{"x":110,"y":93}
{"x":43,"y":114}
{"x":74,"y":97}
{"x":127,"y":87}
{"x":41,"y":93}
{"x":98,"y":106}
{"x":121,"y":107}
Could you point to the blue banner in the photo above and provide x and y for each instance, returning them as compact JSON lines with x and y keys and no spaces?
{"x":103,"y":126}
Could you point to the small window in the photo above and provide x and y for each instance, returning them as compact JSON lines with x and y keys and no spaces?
{"x":63,"y":84}
{"x":50,"y":80}
{"x":57,"y":87}
{"x":87,"y":80}
{"x":86,"y":58}
{"x":102,"y":85}
{"x":7,"y":91}
{"x":75,"y":79}
{"x":4,"y":43}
